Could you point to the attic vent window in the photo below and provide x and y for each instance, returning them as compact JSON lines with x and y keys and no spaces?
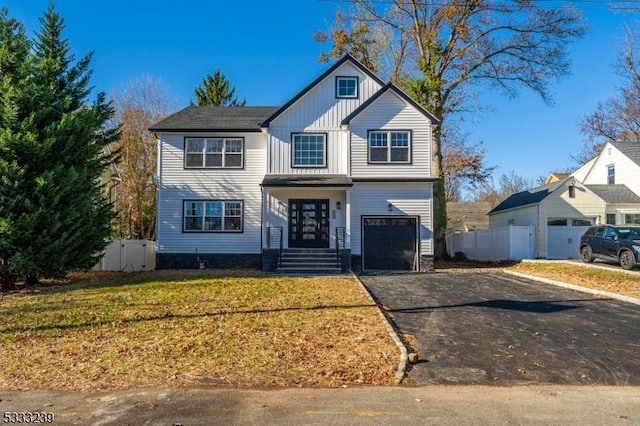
{"x":346,"y":87}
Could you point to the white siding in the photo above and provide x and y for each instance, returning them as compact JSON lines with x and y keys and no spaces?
{"x":391,"y":112}
{"x":177,"y":184}
{"x":556,"y":205}
{"x":277,"y":209}
{"x":318,"y":111}
{"x":626,"y":171}
{"x":408,"y":199}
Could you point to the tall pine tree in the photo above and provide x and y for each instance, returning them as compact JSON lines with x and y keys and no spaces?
{"x":217,"y":91}
{"x":57,"y":217}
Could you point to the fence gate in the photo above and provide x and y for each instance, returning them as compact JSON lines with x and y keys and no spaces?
{"x":128,"y":256}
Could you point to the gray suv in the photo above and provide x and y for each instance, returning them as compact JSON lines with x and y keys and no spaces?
{"x":609,"y":242}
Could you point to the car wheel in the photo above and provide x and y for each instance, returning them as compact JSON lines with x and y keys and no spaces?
{"x":627,"y":260}
{"x":586,"y":254}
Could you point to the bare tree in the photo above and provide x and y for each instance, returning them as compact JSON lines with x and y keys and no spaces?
{"x":507,"y":184}
{"x":439,"y":52}
{"x":143,"y":102}
{"x":617,"y":118}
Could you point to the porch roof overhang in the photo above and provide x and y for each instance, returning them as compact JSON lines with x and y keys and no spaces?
{"x":276,"y":181}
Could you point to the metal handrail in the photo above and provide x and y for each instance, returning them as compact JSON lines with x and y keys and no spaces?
{"x":275,"y":231}
{"x":340,"y":231}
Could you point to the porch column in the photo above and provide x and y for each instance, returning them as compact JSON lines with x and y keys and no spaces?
{"x":347,"y":219}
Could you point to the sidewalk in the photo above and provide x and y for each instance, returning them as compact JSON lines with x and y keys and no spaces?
{"x":442,"y":405}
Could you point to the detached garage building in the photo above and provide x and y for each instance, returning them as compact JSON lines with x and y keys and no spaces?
{"x":561,"y":212}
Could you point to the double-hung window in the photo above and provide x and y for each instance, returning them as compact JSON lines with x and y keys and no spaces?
{"x":309,"y":150}
{"x":213,"y":216}
{"x":346,"y":87}
{"x":214,"y":153}
{"x":390,"y":146}
{"x":611,"y":175}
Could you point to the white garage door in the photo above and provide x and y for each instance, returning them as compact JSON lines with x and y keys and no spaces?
{"x":563,"y":236}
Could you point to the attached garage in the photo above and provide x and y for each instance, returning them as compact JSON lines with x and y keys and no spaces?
{"x":390,"y":243}
{"x":563,"y":236}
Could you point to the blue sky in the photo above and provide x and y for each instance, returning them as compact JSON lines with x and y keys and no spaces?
{"x":267,"y":51}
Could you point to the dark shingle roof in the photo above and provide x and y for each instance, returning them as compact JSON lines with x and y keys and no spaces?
{"x":630,"y":149}
{"x":307,"y":180}
{"x":194,"y":119}
{"x":528,"y":197}
{"x":615,"y":194}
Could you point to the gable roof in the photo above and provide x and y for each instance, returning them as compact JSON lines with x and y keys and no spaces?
{"x":315,"y":82}
{"x":397,"y":91}
{"x":615,"y":194}
{"x":210,"y":118}
{"x":630,"y":149}
{"x":528,"y":197}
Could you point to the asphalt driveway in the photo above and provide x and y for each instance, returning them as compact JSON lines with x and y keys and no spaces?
{"x":482,"y":328}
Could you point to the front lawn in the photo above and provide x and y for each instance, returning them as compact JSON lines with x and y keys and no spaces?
{"x":595,"y":278}
{"x":149,"y":330}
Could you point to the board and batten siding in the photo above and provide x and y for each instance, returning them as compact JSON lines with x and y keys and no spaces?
{"x":177,"y":184}
{"x":408,"y":199}
{"x":318,"y":111}
{"x":390,"y":112}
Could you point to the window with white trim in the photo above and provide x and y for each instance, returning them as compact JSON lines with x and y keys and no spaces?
{"x":346,"y":87}
{"x":213,"y":216}
{"x":214,"y":153}
{"x":390,"y":146}
{"x":611,"y":175}
{"x":309,"y":150}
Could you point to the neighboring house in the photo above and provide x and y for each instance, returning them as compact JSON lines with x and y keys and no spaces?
{"x":467,"y":216}
{"x":560,"y":211}
{"x":615,"y":173}
{"x":344,"y":165}
{"x":555,"y":177}
{"x":605,"y":190}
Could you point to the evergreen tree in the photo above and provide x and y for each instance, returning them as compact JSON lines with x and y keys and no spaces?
{"x":216,"y":91}
{"x":58,"y":218}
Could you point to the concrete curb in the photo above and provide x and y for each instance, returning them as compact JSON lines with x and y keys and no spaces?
{"x":616,"y":296}
{"x":402,"y":365}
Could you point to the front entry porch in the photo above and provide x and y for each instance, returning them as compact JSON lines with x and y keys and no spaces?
{"x":306,"y":223}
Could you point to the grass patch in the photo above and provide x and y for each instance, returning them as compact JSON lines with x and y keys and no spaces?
{"x":595,"y":278}
{"x":158,"y":329}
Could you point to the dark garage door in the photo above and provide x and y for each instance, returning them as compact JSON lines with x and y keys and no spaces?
{"x":389,"y":242}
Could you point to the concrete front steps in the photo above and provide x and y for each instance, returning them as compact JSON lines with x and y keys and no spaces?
{"x":309,"y":260}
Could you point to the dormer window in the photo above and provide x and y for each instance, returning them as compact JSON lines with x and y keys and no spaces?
{"x":611,"y":175}
{"x":346,"y":87}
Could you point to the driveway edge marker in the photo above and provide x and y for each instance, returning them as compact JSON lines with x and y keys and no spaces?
{"x":616,"y":296}
{"x":402,"y":365}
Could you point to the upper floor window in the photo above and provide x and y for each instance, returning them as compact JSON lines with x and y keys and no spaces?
{"x":213,"y":216}
{"x":390,"y":146}
{"x":214,"y":152}
{"x":346,"y":87}
{"x":309,"y":150}
{"x":611,"y":175}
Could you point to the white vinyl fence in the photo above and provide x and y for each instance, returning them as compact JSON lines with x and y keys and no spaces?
{"x":128,"y":256}
{"x":508,"y":243}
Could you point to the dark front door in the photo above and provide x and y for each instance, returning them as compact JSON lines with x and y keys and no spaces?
{"x":309,"y":223}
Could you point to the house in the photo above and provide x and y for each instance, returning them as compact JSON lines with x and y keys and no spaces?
{"x":467,"y":216}
{"x":615,"y":174}
{"x":343,"y":169}
{"x":606,"y":189}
